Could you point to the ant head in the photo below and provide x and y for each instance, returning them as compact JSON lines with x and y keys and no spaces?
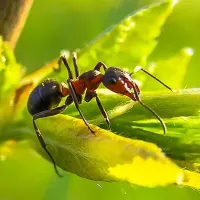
{"x":120,"y":82}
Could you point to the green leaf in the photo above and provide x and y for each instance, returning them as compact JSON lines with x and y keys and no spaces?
{"x":181,"y":142}
{"x":108,"y":157}
{"x":10,"y":71}
{"x":171,"y":70}
{"x":191,"y":179}
{"x":166,"y":104}
{"x":105,"y":156}
{"x":128,"y":43}
{"x":10,"y":76}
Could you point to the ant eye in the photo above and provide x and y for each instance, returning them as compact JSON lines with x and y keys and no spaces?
{"x":112,"y":81}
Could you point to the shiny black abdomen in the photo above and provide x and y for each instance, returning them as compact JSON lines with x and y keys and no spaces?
{"x":44,"y":97}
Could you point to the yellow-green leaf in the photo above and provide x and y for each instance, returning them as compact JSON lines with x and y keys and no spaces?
{"x":105,"y":156}
{"x":171,"y":71}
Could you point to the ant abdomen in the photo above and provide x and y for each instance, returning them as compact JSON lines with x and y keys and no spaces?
{"x":45,"y":96}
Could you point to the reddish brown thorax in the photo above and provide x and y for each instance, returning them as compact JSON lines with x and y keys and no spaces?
{"x":89,"y":81}
{"x":79,"y":86}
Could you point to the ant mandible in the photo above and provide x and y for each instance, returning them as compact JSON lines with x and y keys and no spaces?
{"x":45,"y":98}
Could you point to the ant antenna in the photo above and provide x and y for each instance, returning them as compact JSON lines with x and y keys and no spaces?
{"x":161,"y":121}
{"x":138,"y":68}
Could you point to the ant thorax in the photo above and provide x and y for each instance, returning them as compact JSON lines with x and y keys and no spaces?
{"x":91,"y":79}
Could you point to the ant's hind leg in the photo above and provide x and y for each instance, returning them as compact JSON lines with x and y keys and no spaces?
{"x":43,"y":114}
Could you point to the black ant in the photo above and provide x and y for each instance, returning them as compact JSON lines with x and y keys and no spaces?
{"x":45,"y":98}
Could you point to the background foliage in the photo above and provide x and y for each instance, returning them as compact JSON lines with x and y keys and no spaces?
{"x":53,"y":26}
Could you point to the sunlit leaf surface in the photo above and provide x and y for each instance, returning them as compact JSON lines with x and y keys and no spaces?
{"x":106,"y":156}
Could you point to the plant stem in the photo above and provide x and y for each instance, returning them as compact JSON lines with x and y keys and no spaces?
{"x":13,"y":14}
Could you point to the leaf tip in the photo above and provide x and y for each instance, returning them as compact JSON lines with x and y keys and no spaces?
{"x":161,"y":172}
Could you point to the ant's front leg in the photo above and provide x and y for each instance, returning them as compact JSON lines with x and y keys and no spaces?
{"x":99,"y":65}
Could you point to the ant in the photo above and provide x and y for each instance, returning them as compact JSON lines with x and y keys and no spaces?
{"x":45,"y":98}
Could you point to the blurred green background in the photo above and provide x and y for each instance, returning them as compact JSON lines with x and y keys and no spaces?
{"x":64,"y":24}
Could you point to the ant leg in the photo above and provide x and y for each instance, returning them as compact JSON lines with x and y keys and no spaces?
{"x":98,"y":66}
{"x":74,"y":58}
{"x":153,"y":112}
{"x":89,"y":96}
{"x":43,"y":114}
{"x":75,"y":99}
{"x":140,"y":68}
{"x":103,"y":112}
{"x":64,"y":60}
